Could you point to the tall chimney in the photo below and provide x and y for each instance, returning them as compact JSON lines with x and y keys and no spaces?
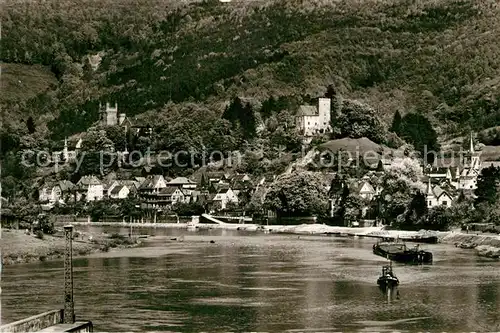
{"x":69,"y":308}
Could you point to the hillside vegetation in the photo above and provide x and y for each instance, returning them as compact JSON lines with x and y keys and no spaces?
{"x":162,"y":60}
{"x":22,"y":82}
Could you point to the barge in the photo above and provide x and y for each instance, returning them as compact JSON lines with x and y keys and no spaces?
{"x":401,"y":253}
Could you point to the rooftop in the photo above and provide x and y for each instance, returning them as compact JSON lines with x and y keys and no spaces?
{"x":307,"y":110}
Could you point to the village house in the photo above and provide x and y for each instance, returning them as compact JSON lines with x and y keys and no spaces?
{"x":223,"y":197}
{"x":241,"y":178}
{"x":173,"y":195}
{"x":241,"y":182}
{"x":121,"y":189}
{"x":312,"y":120}
{"x":214,"y":177}
{"x":152,"y":184}
{"x":119,"y":192}
{"x":131,"y":185}
{"x":62,"y":192}
{"x":463,"y":176}
{"x":187,"y":185}
{"x":89,"y":188}
{"x":436,"y":196}
{"x":164,"y":198}
{"x":366,"y":191}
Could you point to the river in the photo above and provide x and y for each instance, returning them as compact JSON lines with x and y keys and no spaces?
{"x":260,"y":283}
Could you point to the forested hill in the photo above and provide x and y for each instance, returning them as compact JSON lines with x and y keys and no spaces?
{"x":440,"y":57}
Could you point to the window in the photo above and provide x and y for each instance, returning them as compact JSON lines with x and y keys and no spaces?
{"x":308,"y":123}
{"x":445,"y":203}
{"x":430,"y":203}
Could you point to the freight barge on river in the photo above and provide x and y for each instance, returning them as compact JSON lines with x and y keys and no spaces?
{"x":401,"y":253}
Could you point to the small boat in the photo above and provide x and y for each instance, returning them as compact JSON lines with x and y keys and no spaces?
{"x":397,"y":251}
{"x":388,"y":279}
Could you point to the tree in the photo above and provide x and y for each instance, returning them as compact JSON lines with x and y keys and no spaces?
{"x":438,"y":218}
{"x":351,"y":209}
{"x":242,"y":118}
{"x":397,"y":192}
{"x":269,"y":106}
{"x":189,"y":209}
{"x":488,"y":184}
{"x":100,"y":209}
{"x":248,"y":122}
{"x":30,"y":124}
{"x":417,"y":208}
{"x":117,"y":135}
{"x":336,"y":186}
{"x":130,"y":208}
{"x":298,"y":194}
{"x":417,"y":130}
{"x":396,"y":123}
{"x":330,"y":92}
{"x":96,"y":140}
{"x":244,"y":198}
{"x":358,"y":120}
{"x":204,"y":182}
{"x":233,"y":111}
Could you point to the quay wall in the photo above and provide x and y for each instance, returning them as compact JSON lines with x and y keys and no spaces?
{"x":34,"y":323}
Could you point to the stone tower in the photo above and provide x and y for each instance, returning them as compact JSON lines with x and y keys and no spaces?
{"x":324,"y":105}
{"x":108,"y":114}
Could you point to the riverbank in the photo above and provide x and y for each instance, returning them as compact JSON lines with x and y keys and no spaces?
{"x":18,"y":247}
{"x":486,"y":245}
{"x":310,"y":229}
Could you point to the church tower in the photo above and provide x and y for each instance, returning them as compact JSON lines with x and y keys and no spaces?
{"x":429,"y":195}
{"x":65,"y":150}
{"x":472,"y":158}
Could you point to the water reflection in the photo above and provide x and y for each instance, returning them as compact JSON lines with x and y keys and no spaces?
{"x":260,"y":283}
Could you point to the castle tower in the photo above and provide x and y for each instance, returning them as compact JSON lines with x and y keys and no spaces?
{"x":111,"y":114}
{"x":324,"y":106}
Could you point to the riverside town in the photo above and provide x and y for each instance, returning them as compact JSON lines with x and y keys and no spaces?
{"x":250,"y":166}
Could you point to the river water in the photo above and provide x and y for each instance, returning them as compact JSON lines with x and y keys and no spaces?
{"x":260,"y":283}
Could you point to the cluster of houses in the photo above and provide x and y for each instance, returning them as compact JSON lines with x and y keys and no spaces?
{"x":448,"y":177}
{"x":445,"y":179}
{"x":215,"y":189}
{"x":218,"y":190}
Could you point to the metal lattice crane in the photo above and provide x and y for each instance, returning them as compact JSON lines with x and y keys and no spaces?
{"x":69,"y":309}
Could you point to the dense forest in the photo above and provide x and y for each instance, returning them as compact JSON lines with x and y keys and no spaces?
{"x":440,"y":58}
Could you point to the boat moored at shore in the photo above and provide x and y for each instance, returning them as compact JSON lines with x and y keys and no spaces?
{"x":399,"y":252}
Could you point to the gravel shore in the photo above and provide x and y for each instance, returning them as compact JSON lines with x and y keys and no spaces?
{"x":19,"y":247}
